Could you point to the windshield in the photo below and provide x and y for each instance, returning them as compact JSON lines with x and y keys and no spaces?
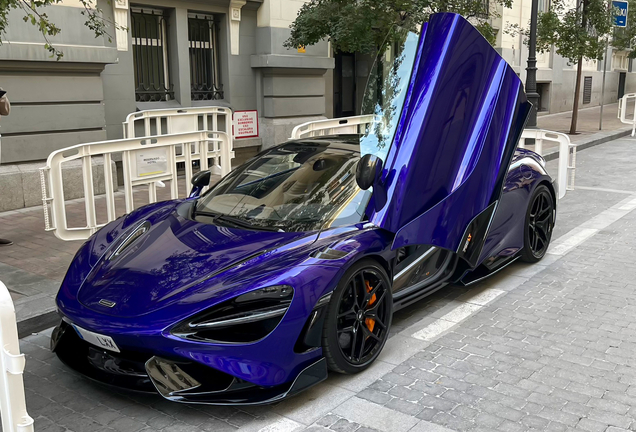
{"x":297,"y":186}
{"x":386,"y":91}
{"x":310,"y":185}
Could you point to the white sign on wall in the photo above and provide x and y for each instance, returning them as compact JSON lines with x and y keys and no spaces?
{"x":151,"y":162}
{"x":245,"y":124}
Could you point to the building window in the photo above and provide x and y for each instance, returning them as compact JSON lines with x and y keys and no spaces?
{"x":544,"y":6}
{"x":204,"y":58}
{"x":484,"y":10}
{"x":150,"y":56}
{"x":620,"y":61}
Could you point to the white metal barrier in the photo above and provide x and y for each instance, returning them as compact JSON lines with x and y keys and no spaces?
{"x":341,"y":126}
{"x":623,"y":107}
{"x":145,"y":160}
{"x":357,"y":125}
{"x":12,"y":399}
{"x":178,"y":120}
{"x":566,"y":165}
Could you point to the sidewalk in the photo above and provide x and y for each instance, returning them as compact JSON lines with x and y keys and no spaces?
{"x":588,"y":134}
{"x":35,"y":265}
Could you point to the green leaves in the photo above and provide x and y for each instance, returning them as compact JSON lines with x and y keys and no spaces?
{"x":625,"y":38}
{"x":575,"y":32}
{"x":33,"y":14}
{"x":368,"y":25}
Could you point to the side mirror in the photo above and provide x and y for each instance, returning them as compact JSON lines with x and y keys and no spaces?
{"x":368,"y":171}
{"x":199,"y":181}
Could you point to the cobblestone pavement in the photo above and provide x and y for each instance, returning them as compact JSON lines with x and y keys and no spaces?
{"x":547,"y":347}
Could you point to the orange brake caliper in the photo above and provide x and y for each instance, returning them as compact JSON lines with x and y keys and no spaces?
{"x":370,"y":322}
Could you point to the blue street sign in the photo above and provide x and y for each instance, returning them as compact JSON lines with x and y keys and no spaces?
{"x":619,"y":8}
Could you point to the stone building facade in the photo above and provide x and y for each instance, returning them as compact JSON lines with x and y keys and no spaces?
{"x":175,"y":53}
{"x":556,"y":77}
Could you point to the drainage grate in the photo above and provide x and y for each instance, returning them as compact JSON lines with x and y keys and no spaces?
{"x":587,"y":90}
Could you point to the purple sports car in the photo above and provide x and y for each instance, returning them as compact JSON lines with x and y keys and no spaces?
{"x":293,"y":264}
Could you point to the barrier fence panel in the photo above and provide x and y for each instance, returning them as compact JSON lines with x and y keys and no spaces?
{"x":358,"y":124}
{"x":566,"y":164}
{"x":12,"y":400}
{"x":623,"y":110}
{"x":145,"y":161}
{"x":180,"y":120}
{"x":341,"y":126}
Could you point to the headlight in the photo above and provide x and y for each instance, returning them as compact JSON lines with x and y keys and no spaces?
{"x":246,"y":318}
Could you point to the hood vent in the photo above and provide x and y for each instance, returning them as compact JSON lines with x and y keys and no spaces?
{"x":130,"y":239}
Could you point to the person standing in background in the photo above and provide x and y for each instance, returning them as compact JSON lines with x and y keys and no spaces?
{"x":5,"y":107}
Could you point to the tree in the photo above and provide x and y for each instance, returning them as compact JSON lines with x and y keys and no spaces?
{"x":577,"y":32}
{"x":34,"y":13}
{"x":367,"y":26}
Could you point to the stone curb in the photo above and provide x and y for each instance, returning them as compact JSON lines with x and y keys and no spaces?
{"x":37,"y":323}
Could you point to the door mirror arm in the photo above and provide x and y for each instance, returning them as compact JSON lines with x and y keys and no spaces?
{"x":199,"y":181}
{"x":368,"y":171}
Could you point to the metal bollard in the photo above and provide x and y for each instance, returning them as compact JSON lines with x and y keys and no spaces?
{"x":12,"y":400}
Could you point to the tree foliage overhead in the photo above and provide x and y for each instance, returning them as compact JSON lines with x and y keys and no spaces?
{"x":562,"y":27}
{"x":34,"y":12}
{"x":367,"y":25}
{"x":576,"y":30}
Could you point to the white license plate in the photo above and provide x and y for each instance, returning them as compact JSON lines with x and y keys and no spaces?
{"x":97,"y":339}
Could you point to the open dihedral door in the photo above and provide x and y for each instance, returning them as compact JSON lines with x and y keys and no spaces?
{"x":459,"y":127}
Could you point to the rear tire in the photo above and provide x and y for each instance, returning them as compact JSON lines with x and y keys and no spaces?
{"x":539,"y":225}
{"x":358,"y":318}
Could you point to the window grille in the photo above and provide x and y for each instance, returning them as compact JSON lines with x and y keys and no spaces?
{"x":484,"y":10}
{"x":204,"y":59}
{"x":150,"y":56}
{"x":587,"y":90}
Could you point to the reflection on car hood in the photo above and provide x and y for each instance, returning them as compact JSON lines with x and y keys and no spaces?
{"x":163,"y":264}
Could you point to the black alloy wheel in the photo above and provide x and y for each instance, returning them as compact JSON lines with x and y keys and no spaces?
{"x":358,"y":318}
{"x":539,"y":225}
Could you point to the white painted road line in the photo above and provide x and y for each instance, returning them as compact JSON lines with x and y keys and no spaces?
{"x":283,"y":425}
{"x":571,"y":240}
{"x":271,"y":422}
{"x":578,"y":235}
{"x":375,"y":416}
{"x":432,"y":331}
{"x":481,"y":298}
{"x":629,"y":206}
{"x":314,"y":403}
{"x":469,"y":306}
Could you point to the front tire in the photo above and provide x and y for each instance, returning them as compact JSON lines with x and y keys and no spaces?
{"x":539,"y":225}
{"x":358,"y":318}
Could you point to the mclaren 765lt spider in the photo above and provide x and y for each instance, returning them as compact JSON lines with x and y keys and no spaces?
{"x":293,"y":264}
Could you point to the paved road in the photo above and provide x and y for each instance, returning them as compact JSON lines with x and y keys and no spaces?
{"x":549,"y":347}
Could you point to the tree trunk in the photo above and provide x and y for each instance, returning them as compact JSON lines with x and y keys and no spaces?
{"x":579,"y":66}
{"x":577,"y":92}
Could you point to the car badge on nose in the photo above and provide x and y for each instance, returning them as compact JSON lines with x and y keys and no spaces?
{"x":107,"y":303}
